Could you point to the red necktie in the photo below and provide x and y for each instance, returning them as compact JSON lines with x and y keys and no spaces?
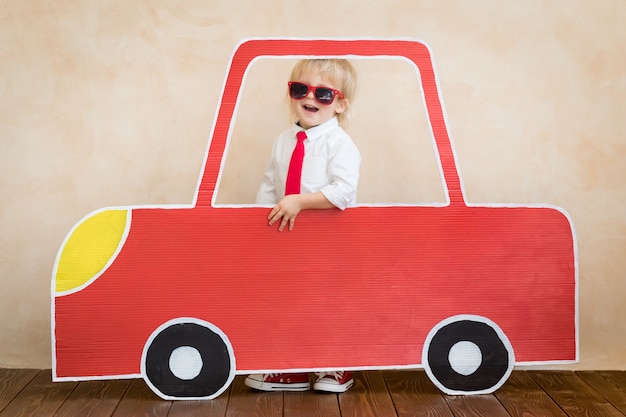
{"x":295,"y":166}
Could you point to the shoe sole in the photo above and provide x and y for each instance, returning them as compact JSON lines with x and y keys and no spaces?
{"x":335,"y":388}
{"x":268,"y":386}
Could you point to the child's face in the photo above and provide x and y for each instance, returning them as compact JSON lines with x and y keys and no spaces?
{"x":309,"y":111}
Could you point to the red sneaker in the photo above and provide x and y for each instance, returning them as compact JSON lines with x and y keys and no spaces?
{"x":338,"y":381}
{"x":279,"y":382}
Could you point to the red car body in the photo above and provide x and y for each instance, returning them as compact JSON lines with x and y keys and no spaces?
{"x":356,"y":289}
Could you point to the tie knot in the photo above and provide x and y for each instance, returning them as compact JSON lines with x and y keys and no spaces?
{"x":301,"y":136}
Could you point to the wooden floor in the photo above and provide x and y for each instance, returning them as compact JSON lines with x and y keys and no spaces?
{"x":29,"y":393}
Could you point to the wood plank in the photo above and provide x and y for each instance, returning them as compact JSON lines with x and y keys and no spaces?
{"x":12,"y":381}
{"x":478,"y":405}
{"x":31,"y":393}
{"x":310,"y":403}
{"x":140,"y":401}
{"x":367,"y":397}
{"x":245,"y":402}
{"x":414,"y":395}
{"x":611,"y":384}
{"x":206,"y":408}
{"x":94,"y":399}
{"x":40,"y":398}
{"x":573,"y":395}
{"x":521,"y":396}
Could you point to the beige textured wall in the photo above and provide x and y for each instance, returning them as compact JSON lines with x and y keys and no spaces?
{"x":110,"y":102}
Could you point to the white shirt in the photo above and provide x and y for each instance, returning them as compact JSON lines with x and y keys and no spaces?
{"x":331,"y":165}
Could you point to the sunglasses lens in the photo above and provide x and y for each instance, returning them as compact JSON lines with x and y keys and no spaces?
{"x":298,"y":90}
{"x":324,"y":95}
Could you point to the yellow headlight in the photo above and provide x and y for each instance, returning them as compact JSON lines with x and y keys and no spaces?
{"x":90,"y":248}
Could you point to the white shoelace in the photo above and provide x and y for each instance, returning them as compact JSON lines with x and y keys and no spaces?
{"x":334,"y":374}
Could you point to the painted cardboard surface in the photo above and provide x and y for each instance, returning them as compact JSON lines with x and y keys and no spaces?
{"x":188,"y":296}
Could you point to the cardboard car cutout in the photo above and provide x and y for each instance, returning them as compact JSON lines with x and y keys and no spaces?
{"x":186,"y":297}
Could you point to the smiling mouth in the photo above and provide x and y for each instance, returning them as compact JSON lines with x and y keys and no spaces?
{"x":311,"y":109}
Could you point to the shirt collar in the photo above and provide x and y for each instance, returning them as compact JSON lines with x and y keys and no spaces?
{"x":318,"y":130}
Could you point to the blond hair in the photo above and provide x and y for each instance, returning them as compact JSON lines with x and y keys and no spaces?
{"x":339,"y":72}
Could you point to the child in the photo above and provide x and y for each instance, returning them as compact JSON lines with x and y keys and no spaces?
{"x":320,"y":94}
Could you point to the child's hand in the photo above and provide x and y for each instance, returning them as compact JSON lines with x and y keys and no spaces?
{"x":286,"y":211}
{"x":288,"y":208}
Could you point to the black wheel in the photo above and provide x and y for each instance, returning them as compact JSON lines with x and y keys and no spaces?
{"x":187,"y":358}
{"x":468,"y":355}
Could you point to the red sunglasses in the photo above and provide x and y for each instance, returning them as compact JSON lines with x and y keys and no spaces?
{"x":323,"y":95}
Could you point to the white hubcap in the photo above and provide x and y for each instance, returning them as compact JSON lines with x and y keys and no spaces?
{"x":465,"y":358}
{"x":186,"y":362}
